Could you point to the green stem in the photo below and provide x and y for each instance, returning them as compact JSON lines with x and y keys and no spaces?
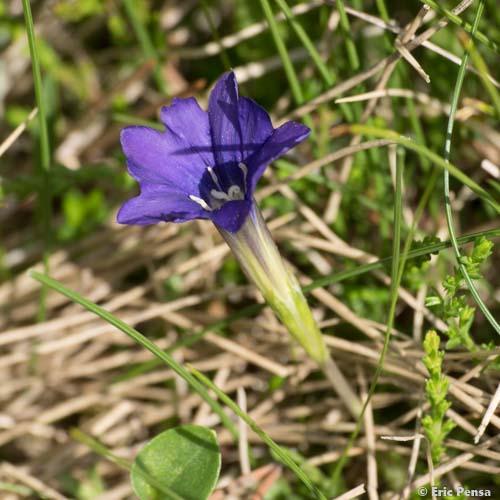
{"x":258,"y":256}
{"x":448,"y":210}
{"x":44,"y":193}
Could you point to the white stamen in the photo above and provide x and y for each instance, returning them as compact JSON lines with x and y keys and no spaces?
{"x":235,"y":193}
{"x":244,"y":169}
{"x":214,"y":177}
{"x":219,"y":195}
{"x":200,"y":202}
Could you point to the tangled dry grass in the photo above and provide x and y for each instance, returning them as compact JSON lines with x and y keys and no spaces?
{"x":72,"y":370}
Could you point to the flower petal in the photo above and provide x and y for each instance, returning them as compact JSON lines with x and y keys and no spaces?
{"x":187,"y":125}
{"x":231,"y":215}
{"x":282,"y":139}
{"x":177,"y":157}
{"x":223,"y":114}
{"x":255,"y":125}
{"x":156,"y":204}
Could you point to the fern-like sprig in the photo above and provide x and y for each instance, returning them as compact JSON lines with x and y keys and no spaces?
{"x":453,"y":307}
{"x":435,"y":425}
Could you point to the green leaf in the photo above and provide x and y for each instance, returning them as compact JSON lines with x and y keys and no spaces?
{"x":184,"y":462}
{"x":281,"y":453}
{"x":432,"y":301}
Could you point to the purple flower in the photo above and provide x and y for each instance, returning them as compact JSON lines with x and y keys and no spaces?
{"x":206,"y":164}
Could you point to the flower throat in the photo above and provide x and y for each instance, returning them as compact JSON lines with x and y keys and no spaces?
{"x":218,"y":196}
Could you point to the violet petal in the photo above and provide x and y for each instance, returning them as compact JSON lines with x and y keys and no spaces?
{"x":282,"y":139}
{"x":189,"y":129}
{"x":231,"y":215}
{"x":225,"y":129}
{"x":156,"y":204}
{"x":255,"y":125}
{"x":172,"y":158}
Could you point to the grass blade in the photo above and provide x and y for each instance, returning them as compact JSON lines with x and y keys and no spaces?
{"x":483,"y":73}
{"x":278,"y":450}
{"x":37,"y":81}
{"x":140,"y":339}
{"x":146,"y":44}
{"x":44,"y":192}
{"x":283,"y":53}
{"x":476,"y":35}
{"x":306,"y":41}
{"x":352,"y":53}
{"x":397,"y":266}
{"x":427,"y":153}
{"x":447,"y":151}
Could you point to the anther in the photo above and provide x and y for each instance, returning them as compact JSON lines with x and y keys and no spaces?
{"x":219,"y":195}
{"x":200,"y":202}
{"x":235,"y":193}
{"x":214,"y":177}
{"x":244,"y":169}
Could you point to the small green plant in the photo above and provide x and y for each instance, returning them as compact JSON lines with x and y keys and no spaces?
{"x":180,"y":463}
{"x":453,"y":307}
{"x":435,"y":425}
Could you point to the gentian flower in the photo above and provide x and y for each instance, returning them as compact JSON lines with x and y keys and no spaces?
{"x":206,"y":166}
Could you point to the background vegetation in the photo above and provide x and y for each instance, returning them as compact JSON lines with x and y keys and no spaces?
{"x":370,"y":178}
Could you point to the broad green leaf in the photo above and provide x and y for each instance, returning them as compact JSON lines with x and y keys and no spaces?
{"x":184,"y":462}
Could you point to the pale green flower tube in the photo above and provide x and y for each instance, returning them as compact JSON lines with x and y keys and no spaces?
{"x":261,"y":261}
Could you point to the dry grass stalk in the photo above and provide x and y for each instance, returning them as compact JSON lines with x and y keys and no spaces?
{"x":74,"y":370}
